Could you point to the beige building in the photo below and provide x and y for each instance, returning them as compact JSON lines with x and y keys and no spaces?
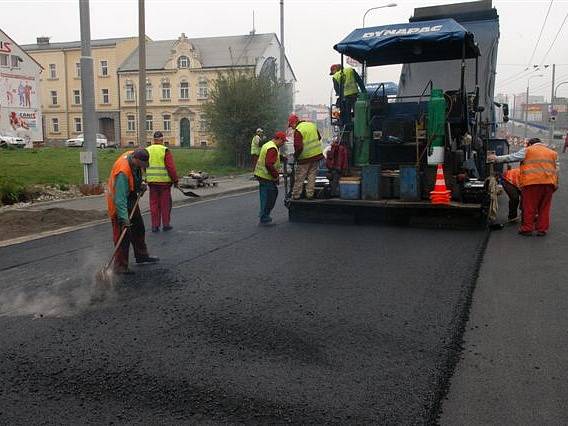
{"x":179,"y":76}
{"x":60,"y":85}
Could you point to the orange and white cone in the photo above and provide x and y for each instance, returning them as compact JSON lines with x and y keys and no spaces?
{"x":440,"y":194}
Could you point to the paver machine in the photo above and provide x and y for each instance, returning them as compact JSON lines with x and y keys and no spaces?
{"x":443,"y":114}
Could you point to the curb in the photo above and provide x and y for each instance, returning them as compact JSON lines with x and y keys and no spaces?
{"x":177,"y":204}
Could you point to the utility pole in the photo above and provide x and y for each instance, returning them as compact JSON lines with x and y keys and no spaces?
{"x":550,"y":119}
{"x":527,"y":111}
{"x":141,"y":74}
{"x":88,"y":158}
{"x":282,"y":52}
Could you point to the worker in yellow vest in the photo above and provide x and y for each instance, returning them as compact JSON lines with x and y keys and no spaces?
{"x":538,"y":179}
{"x":308,"y":151}
{"x":160,"y":175}
{"x":267,"y":171}
{"x":352,"y":83}
{"x":255,"y":145}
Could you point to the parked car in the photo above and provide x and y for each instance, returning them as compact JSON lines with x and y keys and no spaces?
{"x":13,"y":141}
{"x":102,"y":141}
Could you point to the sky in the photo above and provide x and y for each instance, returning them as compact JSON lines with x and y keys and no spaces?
{"x":312,"y":27}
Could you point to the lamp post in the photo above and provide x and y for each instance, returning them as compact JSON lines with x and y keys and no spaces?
{"x":375,"y":8}
{"x":553,"y":122}
{"x":527,"y":102}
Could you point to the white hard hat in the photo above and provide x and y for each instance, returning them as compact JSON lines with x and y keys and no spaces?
{"x":259,"y":130}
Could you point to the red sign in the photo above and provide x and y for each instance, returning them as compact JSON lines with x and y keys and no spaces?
{"x":5,"y":46}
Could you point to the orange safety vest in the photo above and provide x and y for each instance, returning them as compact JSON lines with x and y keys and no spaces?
{"x":512,"y":176}
{"x":121,"y":165}
{"x":539,"y":167}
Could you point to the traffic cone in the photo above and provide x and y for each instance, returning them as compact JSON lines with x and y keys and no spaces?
{"x":440,"y":194}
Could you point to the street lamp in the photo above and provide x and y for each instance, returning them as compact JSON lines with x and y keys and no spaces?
{"x":375,"y":8}
{"x":527,"y":102}
{"x":552,"y":122}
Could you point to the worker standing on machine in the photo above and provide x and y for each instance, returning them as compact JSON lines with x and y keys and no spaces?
{"x":267,"y":172}
{"x":308,"y":152}
{"x":124,"y":187}
{"x":538,"y":179}
{"x":352,"y":83}
{"x":160,"y":175}
{"x":255,"y":146}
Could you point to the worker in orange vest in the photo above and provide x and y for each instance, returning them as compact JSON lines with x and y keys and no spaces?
{"x":124,"y":186}
{"x":538,"y":179}
{"x":511,"y":186}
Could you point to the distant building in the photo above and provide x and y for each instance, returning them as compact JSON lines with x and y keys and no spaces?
{"x":180,"y":74}
{"x":20,"y":104}
{"x":61,"y":84}
{"x":318,"y":114}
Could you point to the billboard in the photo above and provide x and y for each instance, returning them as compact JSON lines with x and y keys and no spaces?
{"x":20,"y":106}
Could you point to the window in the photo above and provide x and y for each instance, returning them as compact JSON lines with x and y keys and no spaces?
{"x":130,"y":92}
{"x":166,"y":93}
{"x":55,"y":125}
{"x":106,"y":97}
{"x":183,"y":62}
{"x":203,"y":90}
{"x":130,"y":123}
{"x":184,"y":90}
{"x":53,"y":95}
{"x":167,"y":122}
{"x":77,"y":97}
{"x":78,"y":126}
{"x":78,"y":70}
{"x":203,"y":124}
{"x":15,"y":61}
{"x":149,"y":91}
{"x":3,"y":60}
{"x":104,"y":68}
{"x":149,"y":123}
{"x":52,"y":71}
{"x":203,"y":143}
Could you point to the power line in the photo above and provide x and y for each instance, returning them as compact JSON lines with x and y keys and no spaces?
{"x":555,"y":38}
{"x":541,"y":31}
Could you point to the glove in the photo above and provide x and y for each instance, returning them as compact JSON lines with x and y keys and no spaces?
{"x":123,"y":223}
{"x":143,"y":188}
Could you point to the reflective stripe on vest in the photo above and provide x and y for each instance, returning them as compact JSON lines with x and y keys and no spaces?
{"x":156,"y":171}
{"x":349,"y":82}
{"x":312,"y":144}
{"x":539,"y":167}
{"x":260,"y":170}
{"x":255,"y":145}
{"x":121,"y":165}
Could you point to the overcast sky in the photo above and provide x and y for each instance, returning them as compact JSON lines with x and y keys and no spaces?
{"x":312,"y":27}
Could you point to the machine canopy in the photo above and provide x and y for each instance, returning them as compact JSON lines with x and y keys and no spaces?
{"x":424,"y":41}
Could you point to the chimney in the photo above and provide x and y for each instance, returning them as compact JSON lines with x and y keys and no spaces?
{"x":42,"y":40}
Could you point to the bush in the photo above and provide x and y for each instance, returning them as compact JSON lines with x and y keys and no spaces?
{"x":11,"y":193}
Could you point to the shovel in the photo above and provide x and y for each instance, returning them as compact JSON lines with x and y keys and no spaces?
{"x":187,"y":193}
{"x":104,"y":276}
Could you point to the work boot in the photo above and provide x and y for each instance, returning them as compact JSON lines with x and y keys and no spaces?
{"x":157,"y":228}
{"x":525,"y":233}
{"x":541,"y":233}
{"x":123,"y":271}
{"x":167,"y":228}
{"x":147,"y":259}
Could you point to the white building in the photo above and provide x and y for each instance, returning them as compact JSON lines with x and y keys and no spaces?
{"x":20,"y":104}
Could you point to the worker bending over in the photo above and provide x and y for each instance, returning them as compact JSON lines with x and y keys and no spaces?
{"x":308,"y":152}
{"x":124,"y":186}
{"x":160,"y":175}
{"x":538,"y":179}
{"x":267,"y":172}
{"x":352,"y":84}
{"x":511,"y":186}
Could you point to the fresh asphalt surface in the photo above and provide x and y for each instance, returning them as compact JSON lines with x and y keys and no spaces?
{"x":296,"y":323}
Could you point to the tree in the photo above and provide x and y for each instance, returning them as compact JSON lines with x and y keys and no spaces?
{"x":241,"y":102}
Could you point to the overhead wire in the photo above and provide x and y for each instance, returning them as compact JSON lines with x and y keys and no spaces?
{"x":541,"y":31}
{"x":555,"y":38}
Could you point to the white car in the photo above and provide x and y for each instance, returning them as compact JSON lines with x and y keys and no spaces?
{"x":15,"y":141}
{"x":102,"y":141}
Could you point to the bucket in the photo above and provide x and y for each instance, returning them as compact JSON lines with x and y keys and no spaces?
{"x":350,"y":188}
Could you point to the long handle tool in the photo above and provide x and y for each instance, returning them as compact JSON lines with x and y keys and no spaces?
{"x":187,"y":193}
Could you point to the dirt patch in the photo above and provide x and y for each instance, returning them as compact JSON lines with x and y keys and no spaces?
{"x":18,"y":223}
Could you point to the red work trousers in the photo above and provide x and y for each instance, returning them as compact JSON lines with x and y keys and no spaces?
{"x":160,"y":204}
{"x":135,"y":236}
{"x":536,"y":201}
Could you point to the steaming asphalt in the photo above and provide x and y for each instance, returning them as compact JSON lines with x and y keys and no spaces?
{"x":297,"y":323}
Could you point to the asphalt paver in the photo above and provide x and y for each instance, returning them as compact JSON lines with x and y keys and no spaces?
{"x":298,"y":323}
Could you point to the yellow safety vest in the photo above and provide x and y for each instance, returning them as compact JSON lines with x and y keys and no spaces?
{"x":156,"y":171}
{"x":312,"y":143}
{"x":349,"y":83}
{"x":255,"y":145}
{"x":260,"y":170}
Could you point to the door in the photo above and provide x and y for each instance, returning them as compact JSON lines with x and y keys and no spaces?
{"x":106,"y":127}
{"x":184,"y":132}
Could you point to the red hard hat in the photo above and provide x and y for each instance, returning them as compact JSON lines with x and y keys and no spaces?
{"x":280,"y":135}
{"x":293,"y":120}
{"x":334,"y":68}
